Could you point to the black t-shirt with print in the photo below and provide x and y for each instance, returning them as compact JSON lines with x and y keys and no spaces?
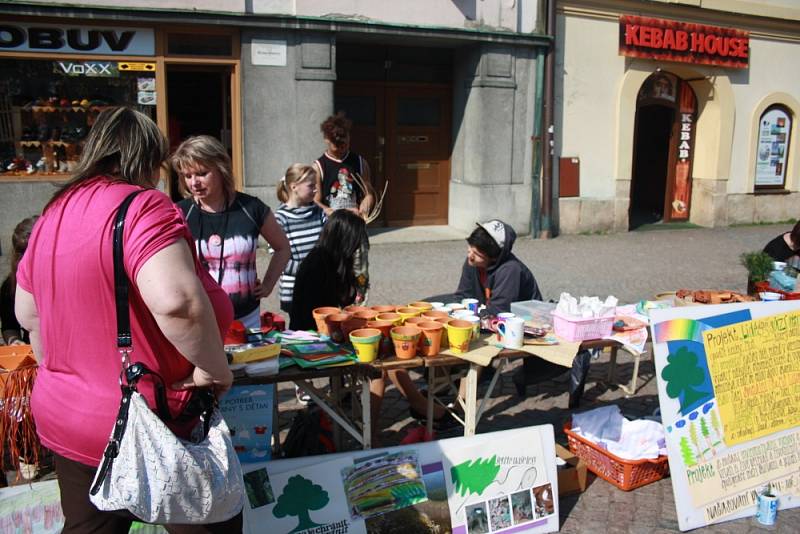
{"x":229,"y":239}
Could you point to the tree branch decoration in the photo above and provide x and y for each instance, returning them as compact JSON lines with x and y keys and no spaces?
{"x":366,"y":188}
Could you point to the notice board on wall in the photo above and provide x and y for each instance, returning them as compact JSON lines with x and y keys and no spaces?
{"x":729,"y":391}
{"x":500,"y":482}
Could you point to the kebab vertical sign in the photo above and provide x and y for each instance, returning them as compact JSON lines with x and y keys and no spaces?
{"x":682,"y":184}
{"x":671,"y":40}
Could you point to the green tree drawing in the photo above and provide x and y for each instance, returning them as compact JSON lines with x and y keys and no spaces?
{"x":716,"y":426}
{"x":299,"y":497}
{"x":687,"y":453}
{"x":474,"y":476}
{"x":683,"y":375}
{"x":695,"y":440}
{"x":706,"y":434}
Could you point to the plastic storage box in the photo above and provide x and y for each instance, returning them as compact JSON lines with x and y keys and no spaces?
{"x":535,"y":311}
{"x":578,"y":329}
{"x":625,"y":474}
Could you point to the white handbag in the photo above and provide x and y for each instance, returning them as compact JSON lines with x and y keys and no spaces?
{"x":146,"y":469}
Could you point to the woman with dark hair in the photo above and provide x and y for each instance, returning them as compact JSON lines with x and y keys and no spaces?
{"x":326,"y":277}
{"x":12,"y":332}
{"x":785,"y":245}
{"x":178,"y":314}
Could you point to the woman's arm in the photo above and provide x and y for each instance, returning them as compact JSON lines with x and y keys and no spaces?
{"x":327,"y":210}
{"x":175,"y":296}
{"x":28,"y":316}
{"x":277,"y":240}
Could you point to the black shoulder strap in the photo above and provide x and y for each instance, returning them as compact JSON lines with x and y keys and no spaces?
{"x":120,"y":277}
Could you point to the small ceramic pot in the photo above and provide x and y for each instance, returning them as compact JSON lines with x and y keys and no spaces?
{"x":353,"y":308}
{"x":405,"y":341}
{"x":414,"y":321}
{"x":353,"y":323}
{"x":383,"y":309}
{"x":390,"y":316}
{"x":367,"y":315}
{"x":366,"y":342}
{"x":443,"y":321}
{"x":406,"y":312}
{"x":433,"y":315}
{"x":319,"y":315}
{"x":430,"y":341}
{"x":334,"y":323}
{"x":421,"y":306}
{"x":385,"y":327}
{"x":459,"y":334}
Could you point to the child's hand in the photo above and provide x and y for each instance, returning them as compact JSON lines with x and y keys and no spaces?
{"x":259,"y":291}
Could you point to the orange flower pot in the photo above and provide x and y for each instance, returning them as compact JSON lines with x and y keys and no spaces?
{"x":367,"y":314}
{"x":353,"y":323}
{"x":433,"y":315}
{"x":414,"y":321}
{"x":406,"y":313}
{"x":390,"y":316}
{"x":443,"y":321}
{"x":430,"y":341}
{"x":405,"y":340}
{"x":421,"y":306}
{"x":387,"y":347}
{"x":383,"y":309}
{"x":319,"y":315}
{"x":353,"y":308}
{"x":334,"y":323}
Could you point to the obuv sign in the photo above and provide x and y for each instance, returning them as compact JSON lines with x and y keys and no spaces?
{"x":77,"y":40}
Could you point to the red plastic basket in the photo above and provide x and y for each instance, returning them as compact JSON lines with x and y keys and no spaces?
{"x":625,"y":474}
{"x":764,"y":286}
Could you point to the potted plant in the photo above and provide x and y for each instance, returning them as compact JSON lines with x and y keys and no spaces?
{"x":758,"y":265}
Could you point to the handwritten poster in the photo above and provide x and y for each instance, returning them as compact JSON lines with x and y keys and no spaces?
{"x":729,"y":391}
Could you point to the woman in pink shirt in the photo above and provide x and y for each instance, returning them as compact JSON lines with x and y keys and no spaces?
{"x":65,"y":298}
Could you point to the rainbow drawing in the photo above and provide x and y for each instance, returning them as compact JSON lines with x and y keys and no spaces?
{"x":675,"y":329}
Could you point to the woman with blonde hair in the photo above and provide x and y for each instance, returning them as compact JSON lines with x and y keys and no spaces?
{"x":226,"y":225}
{"x":177,"y":313}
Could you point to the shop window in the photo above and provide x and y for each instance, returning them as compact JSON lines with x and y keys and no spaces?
{"x":48,"y":108}
{"x":200,"y":44}
{"x":772,"y":151}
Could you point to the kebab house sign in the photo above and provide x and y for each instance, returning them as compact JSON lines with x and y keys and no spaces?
{"x":670,"y":40}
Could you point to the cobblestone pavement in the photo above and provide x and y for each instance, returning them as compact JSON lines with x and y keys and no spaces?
{"x":631,"y":266}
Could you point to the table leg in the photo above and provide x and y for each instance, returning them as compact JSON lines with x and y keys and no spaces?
{"x":366,"y":415}
{"x":471,"y":400}
{"x":612,"y":365}
{"x":336,"y":396}
{"x":431,"y":395}
{"x":489,"y":390}
{"x":276,"y":431}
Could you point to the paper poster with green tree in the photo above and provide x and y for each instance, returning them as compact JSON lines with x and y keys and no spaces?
{"x":686,"y":375}
{"x":479,"y":474}
{"x":299,"y":498}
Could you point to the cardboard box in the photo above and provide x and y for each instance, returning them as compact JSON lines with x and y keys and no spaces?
{"x":571,"y":477}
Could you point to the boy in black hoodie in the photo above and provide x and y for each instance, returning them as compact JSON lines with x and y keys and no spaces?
{"x":494,"y":276}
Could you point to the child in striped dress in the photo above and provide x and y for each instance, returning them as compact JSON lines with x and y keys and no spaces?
{"x":301,"y":220}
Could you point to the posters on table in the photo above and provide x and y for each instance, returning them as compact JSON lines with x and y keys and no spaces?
{"x":500,"y":482}
{"x":32,"y":507}
{"x":729,"y":391}
{"x":248,"y":413}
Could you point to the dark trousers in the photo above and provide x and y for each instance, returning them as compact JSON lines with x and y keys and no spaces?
{"x":82,"y":517}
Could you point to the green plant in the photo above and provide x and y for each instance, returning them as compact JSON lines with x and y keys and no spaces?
{"x":758,"y":265}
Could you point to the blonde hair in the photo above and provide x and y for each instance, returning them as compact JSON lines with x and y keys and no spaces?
{"x":295,"y":174}
{"x":205,"y":151}
{"x":123,"y":144}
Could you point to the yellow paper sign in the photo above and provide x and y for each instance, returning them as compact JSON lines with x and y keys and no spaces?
{"x":755,"y":371}
{"x":127,"y":65}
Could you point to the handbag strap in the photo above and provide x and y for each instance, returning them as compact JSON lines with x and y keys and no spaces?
{"x":121,"y":287}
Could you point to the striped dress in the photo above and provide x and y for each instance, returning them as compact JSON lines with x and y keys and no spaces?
{"x":302,"y":226}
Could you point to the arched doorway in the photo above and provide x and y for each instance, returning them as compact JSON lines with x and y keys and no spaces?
{"x":666,"y":112}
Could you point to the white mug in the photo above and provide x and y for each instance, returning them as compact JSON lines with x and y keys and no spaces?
{"x":511,"y":332}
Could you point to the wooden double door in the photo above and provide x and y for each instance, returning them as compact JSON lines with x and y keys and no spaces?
{"x":403,"y":130}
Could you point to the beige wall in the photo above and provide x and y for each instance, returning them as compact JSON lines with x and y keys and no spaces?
{"x":596,"y":98}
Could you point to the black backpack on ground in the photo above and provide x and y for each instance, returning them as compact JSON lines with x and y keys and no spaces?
{"x":311,"y":433}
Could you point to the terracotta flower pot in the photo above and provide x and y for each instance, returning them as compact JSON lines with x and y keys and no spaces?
{"x":406,"y":312}
{"x":366,"y":342}
{"x":405,"y":341}
{"x":433,"y":315}
{"x":414,"y":321}
{"x":383,"y":309}
{"x":353,"y":323}
{"x":367,"y":314}
{"x":385,"y":327}
{"x":353,"y":308}
{"x":390,"y":316}
{"x":334,"y":323}
{"x":430,"y":341}
{"x":319,"y":315}
{"x":422,"y":306}
{"x":443,"y":321}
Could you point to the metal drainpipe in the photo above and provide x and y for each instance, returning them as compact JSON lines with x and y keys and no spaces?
{"x":548,"y":144}
{"x":536,"y":140}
